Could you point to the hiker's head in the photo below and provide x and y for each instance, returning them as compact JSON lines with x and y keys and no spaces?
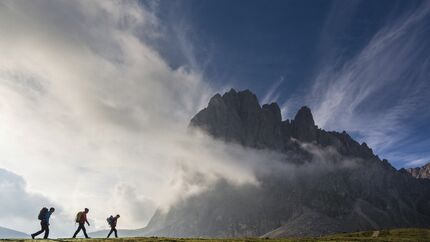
{"x":52,"y":209}
{"x":118,"y":216}
{"x":86,"y":210}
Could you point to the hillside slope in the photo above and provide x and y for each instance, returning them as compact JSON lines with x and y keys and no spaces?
{"x":10,"y":233}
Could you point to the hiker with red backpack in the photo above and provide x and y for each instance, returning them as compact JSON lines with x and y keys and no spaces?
{"x":81,"y":219}
{"x":44,"y":216}
{"x":112,"y":222}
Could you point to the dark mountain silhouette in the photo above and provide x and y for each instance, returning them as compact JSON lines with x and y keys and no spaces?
{"x":6,"y":233}
{"x":419,"y":172}
{"x":353,"y":189}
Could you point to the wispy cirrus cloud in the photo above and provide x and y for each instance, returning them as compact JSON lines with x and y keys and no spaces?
{"x":374,"y":93}
{"x":273,"y":93}
{"x":412,"y":161}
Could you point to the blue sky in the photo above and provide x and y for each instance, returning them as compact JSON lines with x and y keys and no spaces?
{"x":289,"y":49}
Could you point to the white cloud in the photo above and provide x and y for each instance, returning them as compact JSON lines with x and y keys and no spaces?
{"x":20,"y":206}
{"x":90,"y":114}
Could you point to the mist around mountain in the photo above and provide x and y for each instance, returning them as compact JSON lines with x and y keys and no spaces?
{"x":324,"y":183}
{"x":422,"y":172}
{"x":6,"y":233}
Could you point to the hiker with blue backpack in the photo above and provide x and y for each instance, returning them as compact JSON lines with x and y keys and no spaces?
{"x":44,"y":216}
{"x":81,"y":219}
{"x":112,"y":222}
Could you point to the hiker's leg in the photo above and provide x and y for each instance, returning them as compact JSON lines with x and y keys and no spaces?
{"x":84,"y":230}
{"x":110,"y":232}
{"x":46,"y":231}
{"x":116,"y":233}
{"x":78,"y":230}
{"x":40,"y":231}
{"x":37,"y":233}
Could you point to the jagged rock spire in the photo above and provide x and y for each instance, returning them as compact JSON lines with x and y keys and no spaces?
{"x":304,"y":126}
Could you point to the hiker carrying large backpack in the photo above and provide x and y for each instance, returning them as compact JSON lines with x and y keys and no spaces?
{"x":44,"y":216}
{"x":112,"y":222}
{"x":81,"y":219}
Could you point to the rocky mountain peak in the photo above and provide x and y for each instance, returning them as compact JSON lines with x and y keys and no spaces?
{"x":273,"y":110}
{"x":237,"y":116}
{"x":215,"y":100}
{"x":304,"y":126}
{"x":304,"y":116}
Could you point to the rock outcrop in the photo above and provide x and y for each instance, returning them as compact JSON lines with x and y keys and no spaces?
{"x":422,"y":172}
{"x":352,"y":189}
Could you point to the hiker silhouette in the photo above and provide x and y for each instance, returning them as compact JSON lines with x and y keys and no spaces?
{"x":112,"y":222}
{"x":44,"y":216}
{"x":81,"y":219}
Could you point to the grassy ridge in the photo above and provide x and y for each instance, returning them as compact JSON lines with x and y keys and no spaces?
{"x":410,"y":234}
{"x":383,"y":235}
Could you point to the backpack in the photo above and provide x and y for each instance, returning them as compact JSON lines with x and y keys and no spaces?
{"x":78,"y":217}
{"x":42,"y":213}
{"x":110,"y":220}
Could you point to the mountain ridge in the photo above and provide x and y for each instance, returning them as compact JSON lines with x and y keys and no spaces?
{"x":369,"y":195}
{"x":237,"y":107}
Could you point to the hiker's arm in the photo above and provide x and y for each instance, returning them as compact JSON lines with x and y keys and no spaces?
{"x":87,"y":222}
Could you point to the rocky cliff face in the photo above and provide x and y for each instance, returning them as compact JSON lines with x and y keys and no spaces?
{"x":238,"y":117}
{"x":310,"y":200}
{"x":420,"y":172}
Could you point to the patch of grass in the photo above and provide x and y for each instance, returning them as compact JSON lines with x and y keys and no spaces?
{"x":410,"y":234}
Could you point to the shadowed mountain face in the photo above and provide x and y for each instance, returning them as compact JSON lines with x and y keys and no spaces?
{"x":330,"y":182}
{"x":420,"y":172}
